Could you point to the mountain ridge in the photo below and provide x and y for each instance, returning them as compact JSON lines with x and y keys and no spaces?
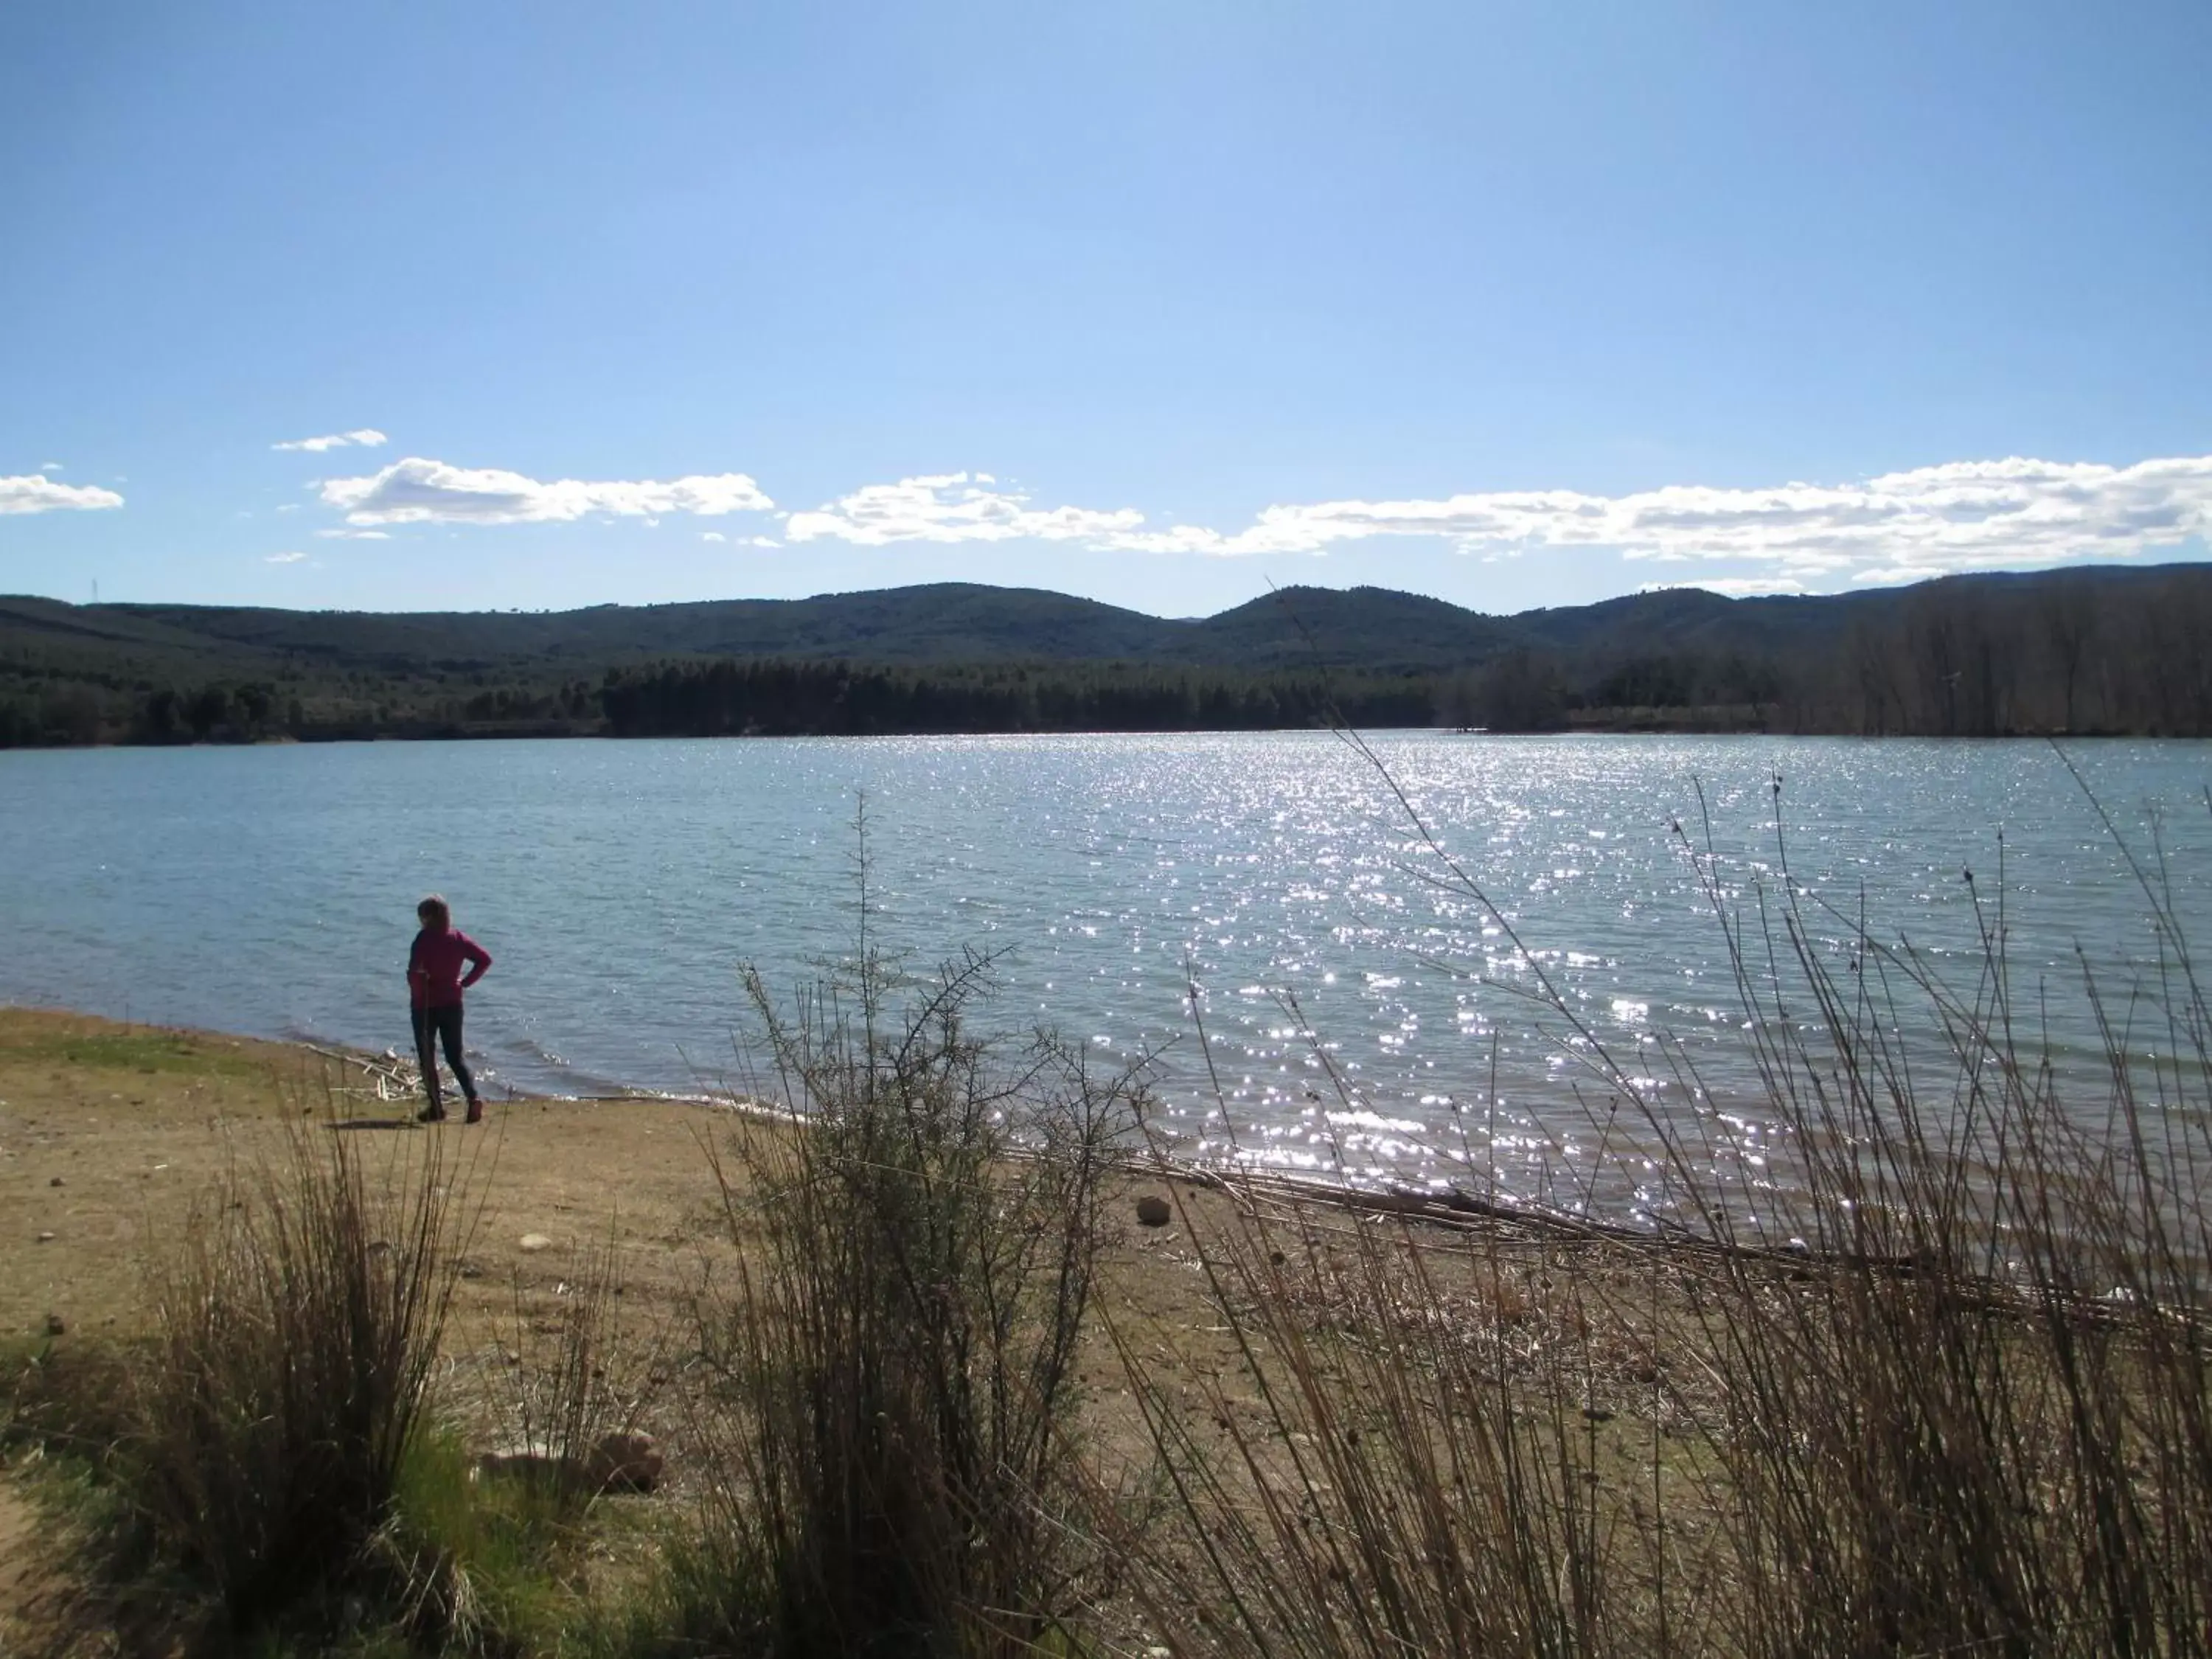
{"x":2102,"y":647}
{"x":1375,"y":629}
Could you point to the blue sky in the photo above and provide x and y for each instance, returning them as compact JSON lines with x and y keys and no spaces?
{"x":1157,"y":303}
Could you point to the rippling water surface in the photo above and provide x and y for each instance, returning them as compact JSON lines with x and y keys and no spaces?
{"x":623,"y":885}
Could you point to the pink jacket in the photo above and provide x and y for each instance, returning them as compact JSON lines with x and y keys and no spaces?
{"x":434,"y":967}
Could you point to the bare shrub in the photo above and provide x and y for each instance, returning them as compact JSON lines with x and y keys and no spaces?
{"x":889,"y":1436}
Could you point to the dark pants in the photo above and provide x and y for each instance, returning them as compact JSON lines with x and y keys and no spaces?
{"x":442,"y":1025}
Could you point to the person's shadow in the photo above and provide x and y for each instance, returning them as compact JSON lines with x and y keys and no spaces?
{"x":354,"y":1124}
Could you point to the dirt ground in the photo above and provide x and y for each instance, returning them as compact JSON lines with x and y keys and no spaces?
{"x":111,"y":1135}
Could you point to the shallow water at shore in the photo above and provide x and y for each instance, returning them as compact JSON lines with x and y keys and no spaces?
{"x":623,"y":886}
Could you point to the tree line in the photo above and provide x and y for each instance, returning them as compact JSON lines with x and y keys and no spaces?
{"x":781,"y":697}
{"x":2063,"y":652}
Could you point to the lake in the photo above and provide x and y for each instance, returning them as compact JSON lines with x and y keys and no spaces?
{"x":624,"y":886}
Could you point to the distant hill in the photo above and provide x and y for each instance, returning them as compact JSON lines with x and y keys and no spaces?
{"x":1363,"y":628}
{"x":1368,"y":627}
{"x":941,"y":622}
{"x":2108,"y":647}
{"x":946,"y":622}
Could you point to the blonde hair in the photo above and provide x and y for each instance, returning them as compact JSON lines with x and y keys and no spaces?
{"x":433,"y":912}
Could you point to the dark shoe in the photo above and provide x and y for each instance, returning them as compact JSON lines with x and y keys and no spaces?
{"x":476,"y":1112}
{"x":431,"y":1115}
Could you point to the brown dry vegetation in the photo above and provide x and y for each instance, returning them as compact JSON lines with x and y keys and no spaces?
{"x":117,"y":1142}
{"x":114,"y":1140}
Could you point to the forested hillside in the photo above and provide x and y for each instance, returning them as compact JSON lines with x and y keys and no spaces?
{"x":2103,"y":649}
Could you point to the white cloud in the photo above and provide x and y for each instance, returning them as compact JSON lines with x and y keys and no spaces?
{"x":36,"y":493}
{"x":284,"y":558}
{"x":1791,"y":537}
{"x":354,"y":535}
{"x":418,"y":491}
{"x":953,"y":507}
{"x":50,"y":466}
{"x":1960,"y":515}
{"x":367,"y":437}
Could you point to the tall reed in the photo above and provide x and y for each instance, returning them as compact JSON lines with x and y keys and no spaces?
{"x":1984,"y":1419}
{"x":1930,"y":1378}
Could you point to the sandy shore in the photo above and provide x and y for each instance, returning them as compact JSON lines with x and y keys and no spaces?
{"x":110,"y":1134}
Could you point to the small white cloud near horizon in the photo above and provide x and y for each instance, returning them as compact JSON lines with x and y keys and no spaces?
{"x":953,"y":508}
{"x":1734,"y":587}
{"x":35,"y":492}
{"x":50,"y":466}
{"x":365,"y":437}
{"x":284,"y":558}
{"x":417,"y":490}
{"x":354,"y":535}
{"x":712,"y":536}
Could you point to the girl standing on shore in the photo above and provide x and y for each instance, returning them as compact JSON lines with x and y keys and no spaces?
{"x":434,"y":984}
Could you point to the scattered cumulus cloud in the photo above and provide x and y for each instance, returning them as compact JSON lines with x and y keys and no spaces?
{"x":35,"y":492}
{"x":953,"y":507}
{"x":365,"y":437}
{"x":285,"y":558}
{"x":354,"y":535}
{"x":1784,"y":538}
{"x":1900,"y":526}
{"x":419,"y":491}
{"x":1960,"y":515}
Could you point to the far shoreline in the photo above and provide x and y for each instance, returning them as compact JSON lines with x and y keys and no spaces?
{"x":1628,"y":727}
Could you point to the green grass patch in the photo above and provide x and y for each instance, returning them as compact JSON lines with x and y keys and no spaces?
{"x":151,"y":1050}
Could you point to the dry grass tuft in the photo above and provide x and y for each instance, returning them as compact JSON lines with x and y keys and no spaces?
{"x":296,"y":1320}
